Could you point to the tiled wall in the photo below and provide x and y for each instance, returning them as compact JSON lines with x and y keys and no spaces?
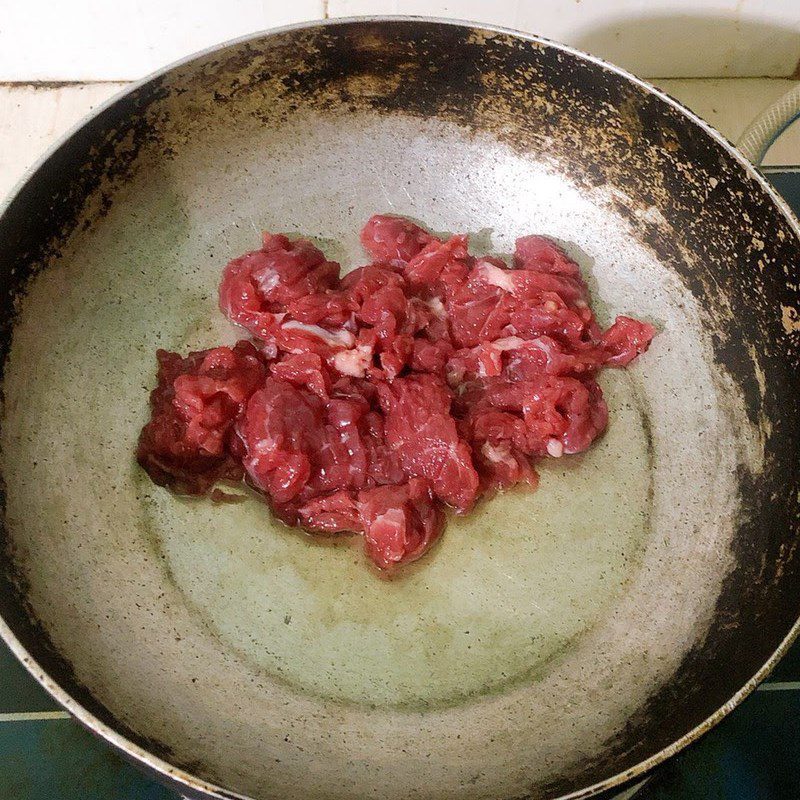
{"x":125,"y":39}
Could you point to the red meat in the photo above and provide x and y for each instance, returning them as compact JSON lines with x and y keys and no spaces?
{"x":393,"y":240}
{"x":626,"y":339}
{"x":540,"y":254}
{"x":420,"y":429}
{"x":400,"y":522}
{"x":185,"y":445}
{"x":369,"y":403}
{"x":256,"y":286}
{"x":439,"y":264}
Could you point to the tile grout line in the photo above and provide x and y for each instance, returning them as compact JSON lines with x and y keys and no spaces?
{"x":779,"y":686}
{"x":13,"y":716}
{"x":26,"y":716}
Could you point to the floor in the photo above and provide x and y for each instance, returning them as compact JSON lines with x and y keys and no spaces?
{"x":44,"y":755}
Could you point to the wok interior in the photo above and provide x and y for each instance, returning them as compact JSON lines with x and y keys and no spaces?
{"x":535,"y":650}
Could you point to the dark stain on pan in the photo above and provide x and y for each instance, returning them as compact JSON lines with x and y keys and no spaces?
{"x":713,"y":225}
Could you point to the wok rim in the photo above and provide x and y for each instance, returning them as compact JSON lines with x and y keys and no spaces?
{"x":162,"y":768}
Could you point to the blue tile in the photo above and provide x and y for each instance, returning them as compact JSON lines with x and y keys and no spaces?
{"x":788,"y":184}
{"x":58,"y":760}
{"x":18,"y":690}
{"x":751,"y":755}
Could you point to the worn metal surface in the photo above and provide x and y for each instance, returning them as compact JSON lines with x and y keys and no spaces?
{"x":550,"y":646}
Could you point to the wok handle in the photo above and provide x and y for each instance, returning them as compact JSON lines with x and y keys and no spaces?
{"x":769,"y":125}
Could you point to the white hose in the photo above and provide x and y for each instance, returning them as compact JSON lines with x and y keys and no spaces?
{"x":769,"y":125}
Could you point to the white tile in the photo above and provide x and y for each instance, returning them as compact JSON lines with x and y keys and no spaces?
{"x":80,"y":40}
{"x":731,"y":105}
{"x":103,"y":40}
{"x":497,"y":12}
{"x":361,"y":8}
{"x":684,"y":38}
{"x":31,"y":119}
{"x":669,"y":38}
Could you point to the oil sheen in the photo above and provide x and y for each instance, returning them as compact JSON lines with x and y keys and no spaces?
{"x":489,"y":607}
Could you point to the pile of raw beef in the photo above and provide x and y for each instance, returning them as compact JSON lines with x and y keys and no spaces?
{"x":370,"y":402}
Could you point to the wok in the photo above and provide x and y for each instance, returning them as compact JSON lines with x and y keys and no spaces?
{"x":554,"y":644}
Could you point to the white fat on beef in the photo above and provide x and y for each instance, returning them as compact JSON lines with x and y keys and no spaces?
{"x":494,"y":351}
{"x":498,"y":453}
{"x":338,"y":338}
{"x":267,"y":279}
{"x":353,"y":362}
{"x":508,"y":343}
{"x":496,"y":276}
{"x":437,"y":307}
{"x":542,"y":343}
